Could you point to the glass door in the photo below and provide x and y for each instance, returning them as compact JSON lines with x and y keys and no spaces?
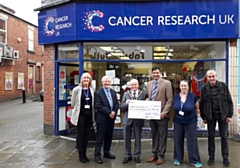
{"x":67,"y":79}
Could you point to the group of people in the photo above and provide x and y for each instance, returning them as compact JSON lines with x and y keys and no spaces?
{"x":214,"y":105}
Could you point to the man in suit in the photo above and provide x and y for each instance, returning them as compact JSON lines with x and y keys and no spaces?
{"x":129,"y":124}
{"x":159,"y":90}
{"x":107,"y":105}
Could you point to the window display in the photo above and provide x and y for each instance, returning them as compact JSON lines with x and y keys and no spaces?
{"x":125,"y":61}
{"x":196,"y":56}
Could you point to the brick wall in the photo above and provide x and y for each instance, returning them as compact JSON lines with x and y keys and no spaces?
{"x":49,"y":89}
{"x":17,"y":28}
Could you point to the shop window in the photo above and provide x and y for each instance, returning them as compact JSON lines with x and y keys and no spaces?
{"x":155,"y":51}
{"x":190,"y":61}
{"x":68,"y":51}
{"x":31,"y":39}
{"x":193,"y":72}
{"x":3,"y":31}
{"x":186,"y":50}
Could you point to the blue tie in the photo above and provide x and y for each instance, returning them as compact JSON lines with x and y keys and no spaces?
{"x":154,"y":91}
{"x":109,"y":98}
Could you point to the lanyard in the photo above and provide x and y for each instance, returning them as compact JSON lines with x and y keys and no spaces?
{"x":182,"y":105}
{"x":86,"y":95}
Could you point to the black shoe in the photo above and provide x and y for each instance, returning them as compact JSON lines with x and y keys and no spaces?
{"x":210,"y":161}
{"x":226,"y":162}
{"x":137,"y":160}
{"x":109,"y":156}
{"x":85,"y":157}
{"x":126,"y":159}
{"x":83,"y":160}
{"x":98,"y":159}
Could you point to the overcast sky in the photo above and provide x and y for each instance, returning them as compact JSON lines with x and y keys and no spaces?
{"x":24,"y":9}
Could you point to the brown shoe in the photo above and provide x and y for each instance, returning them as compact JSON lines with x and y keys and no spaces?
{"x":159,"y":161}
{"x":153,"y":158}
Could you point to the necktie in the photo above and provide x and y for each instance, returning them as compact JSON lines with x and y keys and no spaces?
{"x":109,"y":98}
{"x":134,"y":95}
{"x":154,"y":91}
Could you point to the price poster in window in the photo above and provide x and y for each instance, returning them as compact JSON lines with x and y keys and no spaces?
{"x":8,"y":80}
{"x":20,"y":80}
{"x":62,"y":82}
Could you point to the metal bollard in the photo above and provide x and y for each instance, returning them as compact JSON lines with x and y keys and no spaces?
{"x":23,"y":95}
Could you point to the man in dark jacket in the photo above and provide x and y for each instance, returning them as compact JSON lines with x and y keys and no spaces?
{"x":106,"y":104}
{"x":216,"y":105}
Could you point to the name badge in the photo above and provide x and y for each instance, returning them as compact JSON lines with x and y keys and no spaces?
{"x":87,"y":98}
{"x":181,"y":113}
{"x":87,"y":106}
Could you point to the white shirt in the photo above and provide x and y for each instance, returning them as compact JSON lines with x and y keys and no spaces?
{"x":135,"y":94}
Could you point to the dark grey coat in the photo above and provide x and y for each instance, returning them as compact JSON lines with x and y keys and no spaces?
{"x":224,"y":98}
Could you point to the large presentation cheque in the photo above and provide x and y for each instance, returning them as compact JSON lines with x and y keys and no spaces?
{"x":140,"y":109}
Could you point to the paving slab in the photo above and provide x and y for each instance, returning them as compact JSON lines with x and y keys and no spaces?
{"x":23,"y":145}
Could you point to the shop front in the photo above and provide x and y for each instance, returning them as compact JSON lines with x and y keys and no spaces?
{"x":125,"y":40}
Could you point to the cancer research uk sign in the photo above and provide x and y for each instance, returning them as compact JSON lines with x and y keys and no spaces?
{"x":206,"y":19}
{"x":57,"y":25}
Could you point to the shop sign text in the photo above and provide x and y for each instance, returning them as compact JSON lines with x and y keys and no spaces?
{"x":170,"y":20}
{"x":133,"y":55}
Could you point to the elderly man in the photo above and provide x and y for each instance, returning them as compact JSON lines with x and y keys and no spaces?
{"x":107,"y":105}
{"x":129,"y":124}
{"x":216,"y":105}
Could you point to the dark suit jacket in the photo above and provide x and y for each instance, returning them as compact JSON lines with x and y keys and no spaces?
{"x":102,"y":105}
{"x":124,"y":106}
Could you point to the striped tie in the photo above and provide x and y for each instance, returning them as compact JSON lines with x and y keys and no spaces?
{"x":109,"y":98}
{"x":154,"y":91}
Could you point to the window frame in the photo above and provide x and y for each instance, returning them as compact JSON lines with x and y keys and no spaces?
{"x":31,"y":39}
{"x":4,"y":31}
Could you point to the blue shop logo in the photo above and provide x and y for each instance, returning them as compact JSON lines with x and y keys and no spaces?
{"x":88,"y":21}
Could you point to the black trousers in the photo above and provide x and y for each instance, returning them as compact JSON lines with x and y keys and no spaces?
{"x":104,"y":133}
{"x":223,"y":131}
{"x":83,"y":129}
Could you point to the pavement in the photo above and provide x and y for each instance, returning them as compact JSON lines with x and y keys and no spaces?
{"x":23,"y":144}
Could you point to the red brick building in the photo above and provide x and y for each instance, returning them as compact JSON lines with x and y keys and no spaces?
{"x":21,"y":58}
